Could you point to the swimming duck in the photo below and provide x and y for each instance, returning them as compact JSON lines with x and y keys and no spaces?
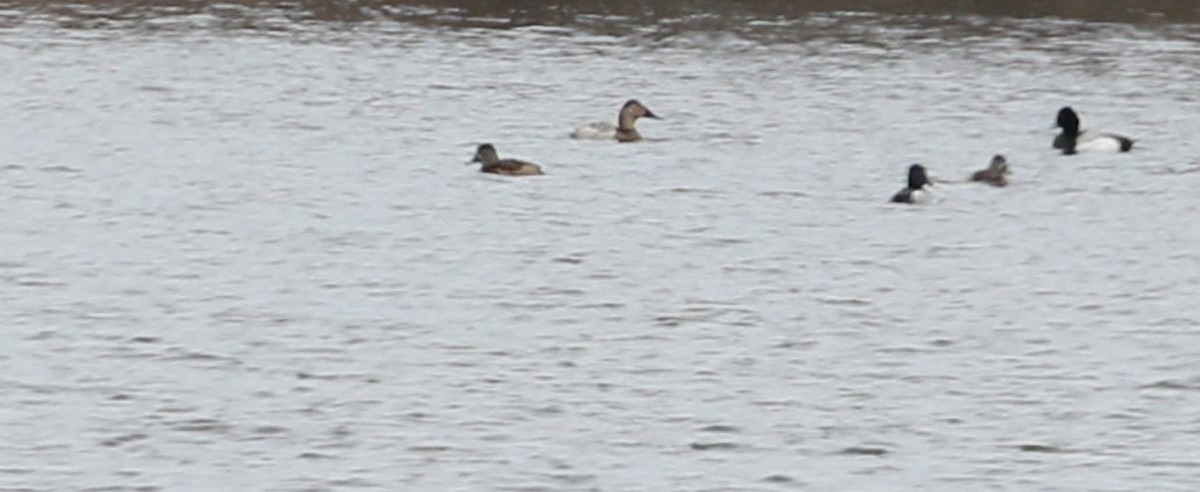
{"x":994,"y":174}
{"x":492,"y":163}
{"x":624,"y":131}
{"x":1071,"y":140}
{"x":917,"y":191}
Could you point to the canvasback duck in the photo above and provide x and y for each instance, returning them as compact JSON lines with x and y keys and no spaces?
{"x":623,"y":131}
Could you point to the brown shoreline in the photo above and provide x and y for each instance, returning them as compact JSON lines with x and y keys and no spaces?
{"x":568,"y":12}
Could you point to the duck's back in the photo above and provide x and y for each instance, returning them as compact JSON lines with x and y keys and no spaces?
{"x":1102,"y":142}
{"x":919,"y":196}
{"x":596,"y":131}
{"x":990,"y":177}
{"x":513,"y":167}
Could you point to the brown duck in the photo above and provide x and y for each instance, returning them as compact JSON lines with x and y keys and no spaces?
{"x":994,"y":174}
{"x":492,"y":163}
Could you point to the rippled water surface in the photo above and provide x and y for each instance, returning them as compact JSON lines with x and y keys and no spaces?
{"x":251,"y":258}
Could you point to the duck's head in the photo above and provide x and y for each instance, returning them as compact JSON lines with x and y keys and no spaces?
{"x":999,"y":164}
{"x":635,"y":109}
{"x":484,"y":154}
{"x":1068,"y":120}
{"x":917,"y":177}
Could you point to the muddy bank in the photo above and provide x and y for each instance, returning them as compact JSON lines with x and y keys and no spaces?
{"x":501,"y":13}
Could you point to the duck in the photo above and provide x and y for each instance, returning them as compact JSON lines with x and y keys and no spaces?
{"x":492,"y":163}
{"x":917,"y":191}
{"x":994,"y":174}
{"x":1072,"y":140}
{"x":623,"y":131}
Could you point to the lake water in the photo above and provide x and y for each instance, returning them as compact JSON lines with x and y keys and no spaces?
{"x":240,"y":251}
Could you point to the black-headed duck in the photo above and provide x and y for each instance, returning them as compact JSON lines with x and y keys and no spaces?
{"x":917,"y":191}
{"x":1072,"y":140}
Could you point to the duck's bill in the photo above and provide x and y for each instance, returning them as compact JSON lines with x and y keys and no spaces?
{"x":650,"y":114}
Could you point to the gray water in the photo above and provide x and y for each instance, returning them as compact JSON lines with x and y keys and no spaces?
{"x":251,"y":258}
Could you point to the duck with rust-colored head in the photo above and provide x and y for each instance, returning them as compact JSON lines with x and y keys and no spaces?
{"x":995,"y":172}
{"x":624,"y":131}
{"x":492,"y":163}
